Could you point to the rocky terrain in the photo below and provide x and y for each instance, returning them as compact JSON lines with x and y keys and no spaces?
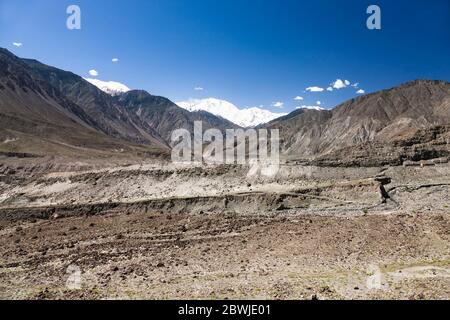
{"x":147,"y":230}
{"x":381,"y":117}
{"x":48,"y":111}
{"x":424,"y":147}
{"x":91,"y":207}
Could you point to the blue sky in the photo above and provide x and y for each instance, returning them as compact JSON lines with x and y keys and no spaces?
{"x":251,"y":53}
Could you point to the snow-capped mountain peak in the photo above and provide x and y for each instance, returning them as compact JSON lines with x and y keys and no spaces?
{"x":110,"y":87}
{"x":249,"y":117}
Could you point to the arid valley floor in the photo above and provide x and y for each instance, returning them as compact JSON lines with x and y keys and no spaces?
{"x":158,"y":231}
{"x":330,"y":143}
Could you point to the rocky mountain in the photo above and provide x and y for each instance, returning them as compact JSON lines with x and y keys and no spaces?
{"x":37,"y":118}
{"x":382,"y":117}
{"x":427,"y":146}
{"x":247,"y":118}
{"x":164,"y":116}
{"x":111,"y":118}
{"x":48,"y":111}
{"x":45,"y":110}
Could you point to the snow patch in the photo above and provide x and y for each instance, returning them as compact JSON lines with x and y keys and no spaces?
{"x":110,"y":87}
{"x":318,"y":108}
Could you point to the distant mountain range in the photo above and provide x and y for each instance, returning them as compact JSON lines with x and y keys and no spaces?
{"x":48,"y":111}
{"x":247,"y":118}
{"x":45,"y":110}
{"x":164,"y":116}
{"x":381,"y":118}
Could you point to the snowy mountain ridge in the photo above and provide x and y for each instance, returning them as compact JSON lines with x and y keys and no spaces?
{"x":112,"y":88}
{"x":247,"y":118}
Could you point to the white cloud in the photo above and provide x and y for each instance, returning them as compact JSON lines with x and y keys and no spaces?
{"x":318,"y":103}
{"x":93,"y":72}
{"x":115,"y":60}
{"x":329,"y":89}
{"x":278,"y":104}
{"x":347,"y":83}
{"x":198,"y":89}
{"x":355,"y":85}
{"x":298,"y":98}
{"x":17,"y":44}
{"x":360,"y":91}
{"x":314,"y":89}
{"x":339,"y":84}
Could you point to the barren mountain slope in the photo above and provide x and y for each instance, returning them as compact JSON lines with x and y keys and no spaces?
{"x":165,"y":116}
{"x":37,"y":118}
{"x":41,"y":106}
{"x":111,"y":118}
{"x":381,"y":116}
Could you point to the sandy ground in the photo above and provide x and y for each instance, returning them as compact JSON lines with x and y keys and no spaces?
{"x":143,"y":231}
